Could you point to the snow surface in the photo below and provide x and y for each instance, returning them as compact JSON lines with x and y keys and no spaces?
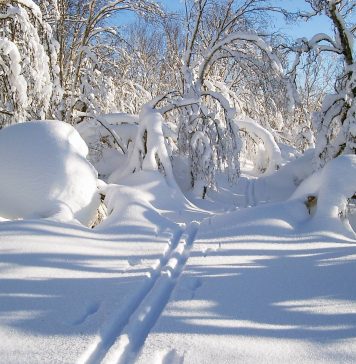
{"x":45,"y":173}
{"x":258,"y":288}
{"x":163,"y":281}
{"x":66,"y":291}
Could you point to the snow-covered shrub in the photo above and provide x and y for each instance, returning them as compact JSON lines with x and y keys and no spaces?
{"x":108,"y":137}
{"x":149,"y":151}
{"x":45,"y":173}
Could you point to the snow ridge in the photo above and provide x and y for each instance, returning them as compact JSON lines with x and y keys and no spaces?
{"x":121,"y":339}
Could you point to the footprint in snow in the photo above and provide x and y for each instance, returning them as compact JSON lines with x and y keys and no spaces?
{"x":206,"y":251}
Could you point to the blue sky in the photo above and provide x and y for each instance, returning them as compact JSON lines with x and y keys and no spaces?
{"x":318,"y":24}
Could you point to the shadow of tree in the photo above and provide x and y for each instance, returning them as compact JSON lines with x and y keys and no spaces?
{"x":304,"y":290}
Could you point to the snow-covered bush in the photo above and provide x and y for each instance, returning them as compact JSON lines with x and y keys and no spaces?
{"x":45,"y":173}
{"x":108,"y":137}
{"x":149,"y":151}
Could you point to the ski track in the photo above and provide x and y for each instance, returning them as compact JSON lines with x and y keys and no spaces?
{"x":120,"y":340}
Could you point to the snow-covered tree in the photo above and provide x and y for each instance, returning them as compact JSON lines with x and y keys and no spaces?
{"x":88,"y":46}
{"x":220,"y":37}
{"x":336,"y":121}
{"x":29,"y":84}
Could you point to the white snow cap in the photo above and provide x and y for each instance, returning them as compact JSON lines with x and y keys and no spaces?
{"x":45,"y":173}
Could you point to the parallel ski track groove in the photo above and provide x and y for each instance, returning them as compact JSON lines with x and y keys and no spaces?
{"x":109,"y":332}
{"x":129,"y":343}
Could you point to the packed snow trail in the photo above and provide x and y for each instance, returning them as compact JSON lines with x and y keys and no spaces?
{"x":121,"y":340}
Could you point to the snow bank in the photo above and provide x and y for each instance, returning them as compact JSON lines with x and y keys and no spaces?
{"x":281,"y":184}
{"x":333,"y":186}
{"x":45,"y":173}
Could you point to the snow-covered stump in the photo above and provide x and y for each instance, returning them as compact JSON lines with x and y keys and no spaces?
{"x":330,"y":189}
{"x":45,"y":173}
{"x":149,"y":152}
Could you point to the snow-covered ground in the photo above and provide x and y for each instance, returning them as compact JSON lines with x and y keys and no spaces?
{"x":67,"y":291}
{"x":163,"y":281}
{"x":261,"y":286}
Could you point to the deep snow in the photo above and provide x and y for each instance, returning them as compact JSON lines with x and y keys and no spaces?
{"x":163,"y":281}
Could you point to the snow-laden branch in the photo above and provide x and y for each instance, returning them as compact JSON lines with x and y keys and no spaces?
{"x":243,"y":36}
{"x":13,"y":69}
{"x":274,"y":153}
{"x":250,"y":126}
{"x":175,"y":104}
{"x":103,"y":122}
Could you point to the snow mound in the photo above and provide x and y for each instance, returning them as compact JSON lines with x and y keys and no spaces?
{"x":332,"y":186}
{"x":148,"y":197}
{"x":45,"y":173}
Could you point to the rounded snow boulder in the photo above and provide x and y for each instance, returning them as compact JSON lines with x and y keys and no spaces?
{"x":45,"y":173}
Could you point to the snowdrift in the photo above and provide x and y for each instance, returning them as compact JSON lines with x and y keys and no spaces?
{"x":45,"y":173}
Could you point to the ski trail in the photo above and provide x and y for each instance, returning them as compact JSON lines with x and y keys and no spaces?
{"x":111,"y":330}
{"x":130,"y":340}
